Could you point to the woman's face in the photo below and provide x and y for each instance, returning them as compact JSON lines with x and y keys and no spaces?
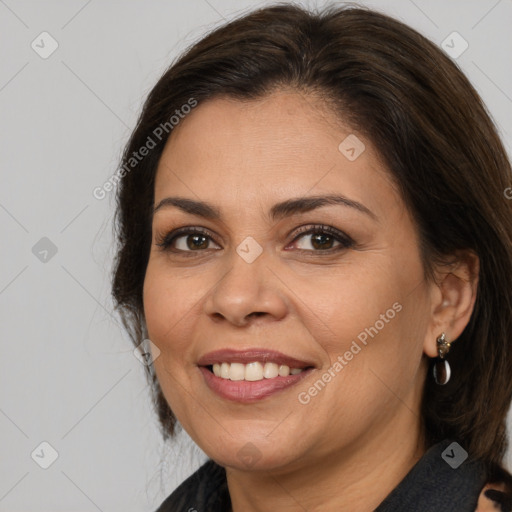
{"x":349,"y":306}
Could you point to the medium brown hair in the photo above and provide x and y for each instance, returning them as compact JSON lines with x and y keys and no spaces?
{"x":398,"y":89}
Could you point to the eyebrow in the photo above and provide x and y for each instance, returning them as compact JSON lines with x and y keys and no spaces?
{"x":278,"y":211}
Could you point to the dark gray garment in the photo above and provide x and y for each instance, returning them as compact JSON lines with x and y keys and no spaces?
{"x":432,"y":485}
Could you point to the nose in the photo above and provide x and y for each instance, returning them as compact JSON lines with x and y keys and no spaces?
{"x":246,"y":292}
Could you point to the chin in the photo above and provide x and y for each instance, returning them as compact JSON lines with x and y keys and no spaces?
{"x":253,"y":453}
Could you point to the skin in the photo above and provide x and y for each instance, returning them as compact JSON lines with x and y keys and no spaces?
{"x":359,"y":436}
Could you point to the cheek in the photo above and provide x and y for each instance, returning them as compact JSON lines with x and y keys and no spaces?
{"x":167,"y":301}
{"x":374,"y":318}
{"x":345,"y":304}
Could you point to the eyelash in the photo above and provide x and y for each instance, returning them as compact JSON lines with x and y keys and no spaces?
{"x":345,"y":241}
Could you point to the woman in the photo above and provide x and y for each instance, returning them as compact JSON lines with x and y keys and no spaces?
{"x":313,"y":233}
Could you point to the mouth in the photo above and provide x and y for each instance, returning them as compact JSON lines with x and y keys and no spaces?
{"x":253,"y":371}
{"x":251,"y":375}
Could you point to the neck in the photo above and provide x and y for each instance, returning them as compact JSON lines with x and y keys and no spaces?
{"x":355,"y":478}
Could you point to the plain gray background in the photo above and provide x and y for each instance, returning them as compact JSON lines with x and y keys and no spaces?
{"x":68,"y":374}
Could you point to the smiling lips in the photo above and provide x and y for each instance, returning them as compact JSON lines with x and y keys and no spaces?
{"x":251,"y":375}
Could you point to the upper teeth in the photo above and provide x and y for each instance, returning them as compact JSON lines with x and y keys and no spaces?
{"x":252,"y":371}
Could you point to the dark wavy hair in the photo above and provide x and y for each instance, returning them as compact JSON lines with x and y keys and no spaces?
{"x":432,"y":130}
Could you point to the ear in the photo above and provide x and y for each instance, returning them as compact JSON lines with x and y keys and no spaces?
{"x":453,"y":296}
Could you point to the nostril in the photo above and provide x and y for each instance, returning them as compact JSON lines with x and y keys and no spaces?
{"x":257,"y":313}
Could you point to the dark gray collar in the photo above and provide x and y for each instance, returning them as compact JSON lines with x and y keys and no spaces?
{"x":438,"y":483}
{"x":432,"y":485}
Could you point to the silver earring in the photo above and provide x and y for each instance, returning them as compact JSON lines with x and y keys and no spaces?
{"x":442,"y":371}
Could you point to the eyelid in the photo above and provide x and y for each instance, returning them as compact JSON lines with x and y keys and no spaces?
{"x":164,"y":241}
{"x":344,"y":241}
{"x":321,"y":228}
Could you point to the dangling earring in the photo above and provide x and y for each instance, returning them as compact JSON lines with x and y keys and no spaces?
{"x":442,"y":369}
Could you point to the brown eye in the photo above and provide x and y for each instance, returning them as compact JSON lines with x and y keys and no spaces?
{"x":322,"y":239}
{"x":192,"y":242}
{"x":187,"y":240}
{"x":319,"y":241}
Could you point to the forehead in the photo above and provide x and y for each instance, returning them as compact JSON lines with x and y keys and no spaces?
{"x":281,"y":145}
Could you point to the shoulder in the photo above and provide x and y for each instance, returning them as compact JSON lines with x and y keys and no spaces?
{"x":204,"y":490}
